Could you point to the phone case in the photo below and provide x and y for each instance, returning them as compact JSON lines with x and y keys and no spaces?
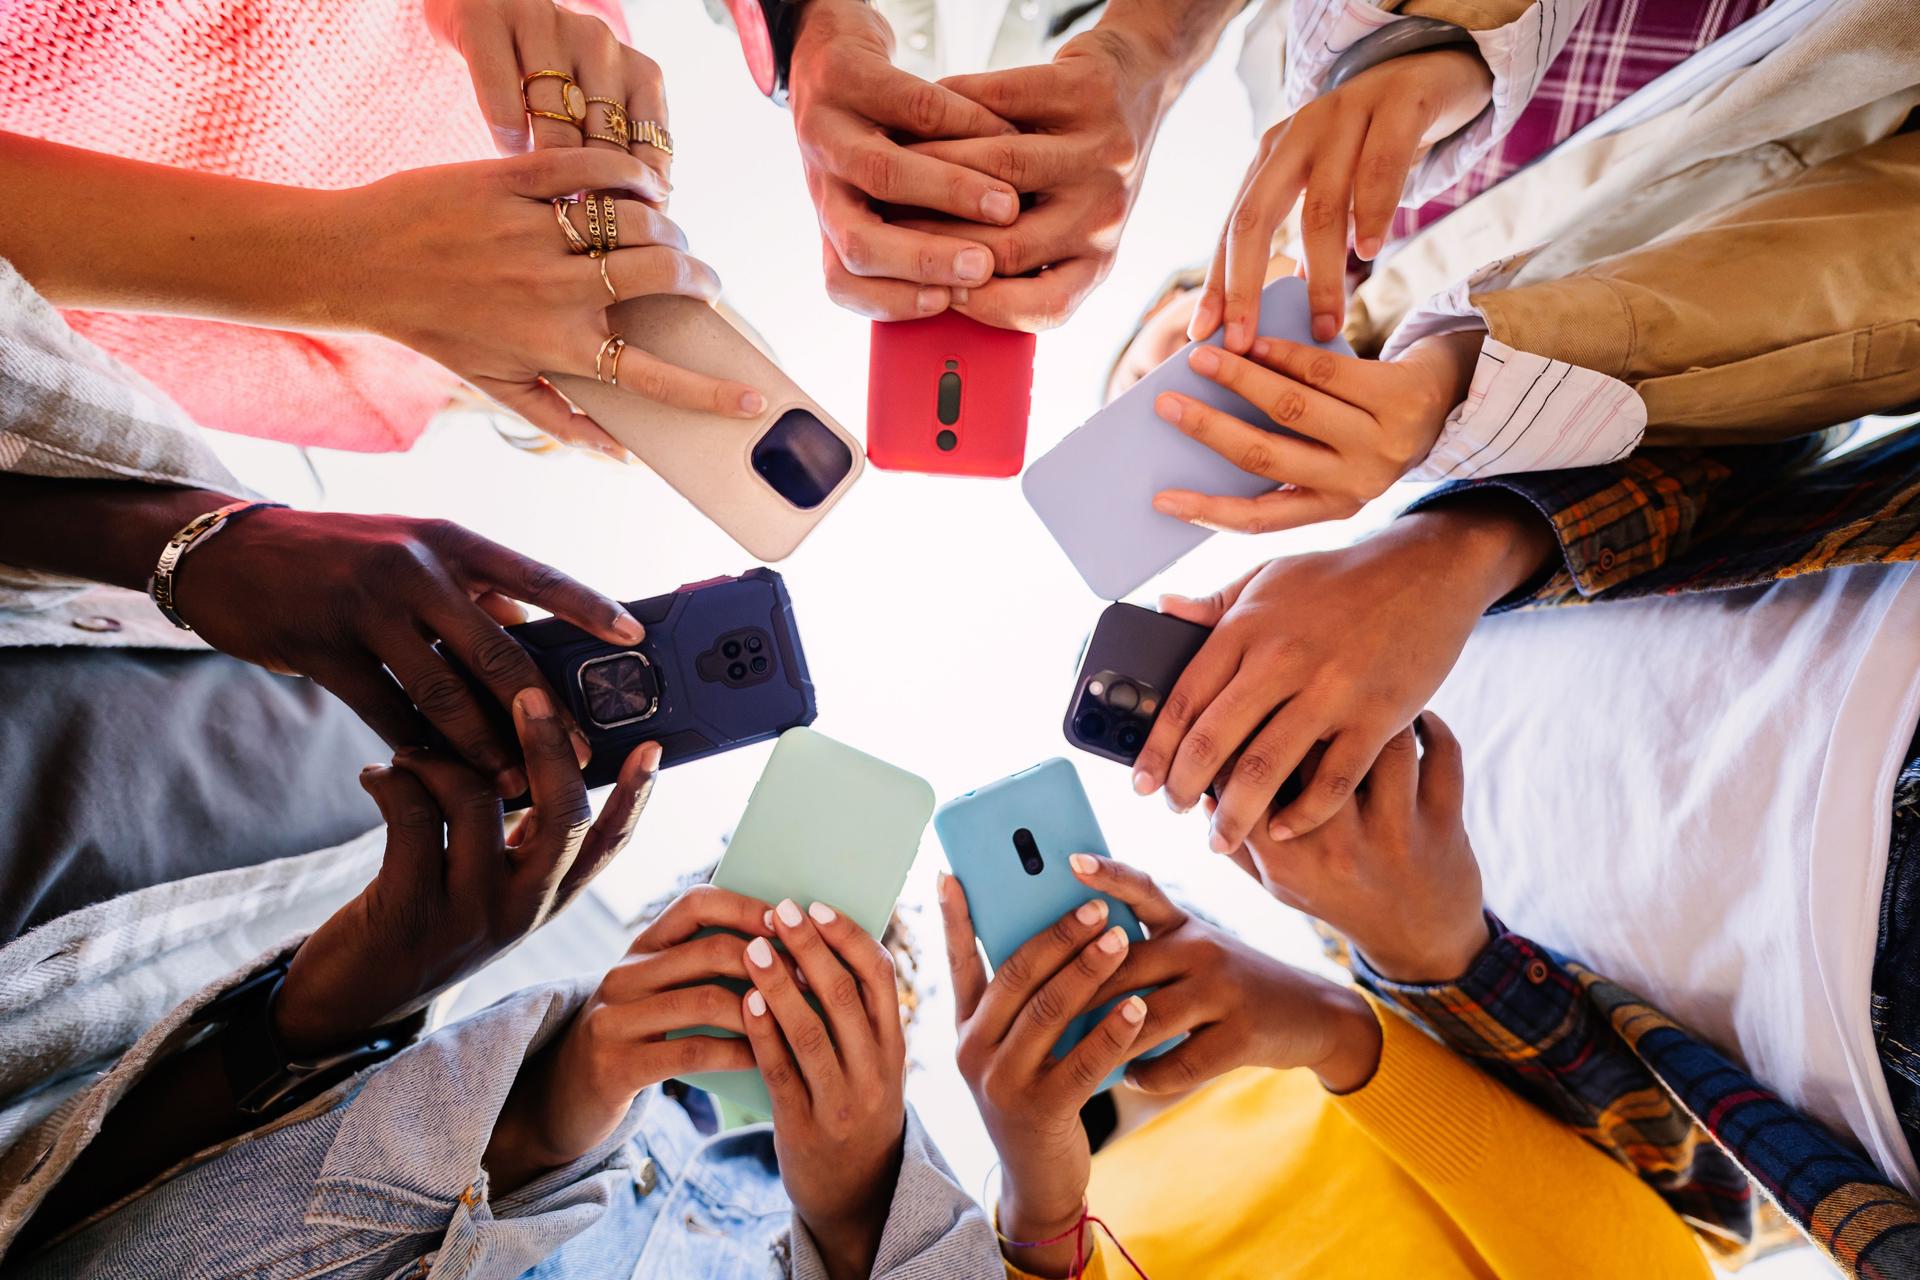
{"x":727,"y":467}
{"x":948,"y":395}
{"x":1094,"y":490}
{"x":825,"y":823}
{"x":1128,"y":667}
{"x":987,"y":835}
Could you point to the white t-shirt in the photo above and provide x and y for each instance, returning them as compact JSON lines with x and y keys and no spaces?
{"x":1693,"y":797}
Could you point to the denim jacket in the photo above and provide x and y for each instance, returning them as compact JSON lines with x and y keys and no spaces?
{"x":382,"y":1177}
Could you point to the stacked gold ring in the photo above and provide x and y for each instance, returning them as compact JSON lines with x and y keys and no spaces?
{"x":607,"y":280}
{"x":653,"y":133}
{"x":574,"y":243}
{"x":572,"y":97}
{"x":606,"y":221}
{"x":614,"y":345}
{"x":617,"y":122}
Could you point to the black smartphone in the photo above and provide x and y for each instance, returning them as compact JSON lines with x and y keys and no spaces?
{"x":721,"y":667}
{"x":1128,"y":667}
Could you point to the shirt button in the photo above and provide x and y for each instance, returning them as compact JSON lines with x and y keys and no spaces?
{"x":645,"y":1176}
{"x":97,"y":622}
{"x":1606,"y":559}
{"x":918,"y":40}
{"x":1536,"y":971}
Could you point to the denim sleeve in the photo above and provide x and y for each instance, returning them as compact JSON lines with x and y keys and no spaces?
{"x":935,"y":1230}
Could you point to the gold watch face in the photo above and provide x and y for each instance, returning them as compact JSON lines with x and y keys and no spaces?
{"x":576,"y":100}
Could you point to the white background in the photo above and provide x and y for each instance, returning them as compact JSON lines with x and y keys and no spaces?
{"x":941,"y":623}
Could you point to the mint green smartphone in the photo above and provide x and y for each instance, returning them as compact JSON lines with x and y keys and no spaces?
{"x":825,"y":823}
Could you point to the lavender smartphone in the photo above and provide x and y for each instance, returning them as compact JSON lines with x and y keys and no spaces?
{"x":1094,"y":490}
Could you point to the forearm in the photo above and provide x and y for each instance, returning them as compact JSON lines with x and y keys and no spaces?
{"x":109,"y":531}
{"x":145,"y":237}
{"x":1181,"y":33}
{"x":1493,"y":543}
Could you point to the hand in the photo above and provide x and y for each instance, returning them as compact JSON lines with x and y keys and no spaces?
{"x":1339,"y":647}
{"x":355,"y":602}
{"x":1360,"y":425}
{"x":837,"y":1077}
{"x":455,"y":888}
{"x":574,"y":1095}
{"x":466,"y":265}
{"x":1091,"y":116}
{"x":1237,"y":1006}
{"x":1394,"y":870}
{"x":504,"y":41}
{"x":1347,"y":153}
{"x":1029,"y":1099}
{"x":849,"y":102}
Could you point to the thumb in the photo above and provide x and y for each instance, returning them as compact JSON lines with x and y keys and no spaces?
{"x":415,"y":857}
{"x":1207,"y":610}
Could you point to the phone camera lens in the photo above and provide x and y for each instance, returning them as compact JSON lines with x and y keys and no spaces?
{"x":1029,"y":851}
{"x":759,"y":666}
{"x":1130,"y":737}
{"x":1122,"y":696}
{"x":755,"y":644}
{"x":737,"y":671}
{"x":1091,"y":726}
{"x":947,"y":441}
{"x":731,"y":649}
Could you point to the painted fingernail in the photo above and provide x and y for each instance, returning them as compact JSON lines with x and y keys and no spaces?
{"x":756,"y":1004}
{"x":1167,"y":405}
{"x":1142,"y":780}
{"x":1280,"y":832}
{"x":930,"y":301}
{"x":1205,"y":361}
{"x":534,"y":704}
{"x":759,"y":954}
{"x":822,"y":913}
{"x":1134,"y":1010}
{"x":1092,"y":911}
{"x":766,"y":918}
{"x":972,"y":264}
{"x":582,"y":749}
{"x":752,"y":402}
{"x":789,"y":912}
{"x":998,"y":206}
{"x":1114,"y":941}
{"x":628,"y":627}
{"x":1084,"y":863}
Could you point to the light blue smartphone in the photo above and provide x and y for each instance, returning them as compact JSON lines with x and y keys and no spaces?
{"x":1094,"y":490}
{"x":1008,"y":844}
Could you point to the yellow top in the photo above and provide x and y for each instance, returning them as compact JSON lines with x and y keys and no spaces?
{"x":1432,"y":1170}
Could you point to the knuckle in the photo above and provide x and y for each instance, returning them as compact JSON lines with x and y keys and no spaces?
{"x":438,"y":693}
{"x":1335,"y":786}
{"x":924,"y":107}
{"x":494,"y":656}
{"x":1179,"y":1071}
{"x":1256,"y":767}
{"x":1065,"y":931}
{"x":1288,"y":408}
{"x":1008,"y":163}
{"x":1256,"y":459}
{"x":877,"y":171}
{"x":779,"y":1076}
{"x":1082,"y":1072}
{"x":856,"y":251}
{"x":1320,"y":369}
{"x":1201,"y":745}
{"x":811,"y":1038}
{"x":651,"y":382}
{"x":1318,"y":213}
{"x":1246,"y":219}
{"x":1048,"y":1007}
{"x":843,"y":992}
{"x":1178,"y":707}
{"x":1017,"y":973}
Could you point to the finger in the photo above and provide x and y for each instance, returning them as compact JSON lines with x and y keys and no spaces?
{"x":359,"y":681}
{"x":488,"y":50}
{"x":1030,"y":95}
{"x":1149,"y":965}
{"x":1032,"y":304}
{"x":619,"y":815}
{"x":1079,"y":1074}
{"x":870,"y":247}
{"x":1211,"y":307}
{"x":1380,"y":177}
{"x":1207,"y":610}
{"x":647,"y":100}
{"x":1222,"y":729}
{"x":1263,"y":768}
{"x":640,"y":271}
{"x":1151,"y":906}
{"x":508,"y":613}
{"x":561,"y":816}
{"x":1325,"y":228}
{"x":968,"y":971}
{"x":1062,"y":998}
{"x":1287,"y":402}
{"x":880,"y":299}
{"x":702,"y":907}
{"x":1205,"y":676}
{"x":572,"y":169}
{"x":448,"y":702}
{"x":806,"y":1034}
{"x":1349,"y":755}
{"x":486,"y":564}
{"x":536,"y":40}
{"x":680,"y":1009}
{"x":1024,"y":161}
{"x":654,"y":379}
{"x":1284,"y":508}
{"x":1208,"y":1052}
{"x":1033,"y":965}
{"x":686,"y":1056}
{"x":703,"y":959}
{"x":895,"y":175}
{"x":1046,"y":235}
{"x":1443,"y":778}
{"x":415,"y":858}
{"x":490,"y":656}
{"x":552,"y":413}
{"x":475,"y":835}
{"x":872,"y":964}
{"x":923,"y":109}
{"x":1249,"y":241}
{"x":1256,"y":451}
{"x":833,"y":984}
{"x":786,"y":1087}
{"x":596,"y":57}
{"x":1392,"y":787}
{"x":637,"y":224}
{"x":1342,"y":377}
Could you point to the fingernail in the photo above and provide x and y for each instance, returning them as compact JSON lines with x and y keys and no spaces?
{"x":1142,"y":780}
{"x":766,"y":918}
{"x":1279,"y":832}
{"x":759,"y":954}
{"x":1323,"y":328}
{"x":752,"y":402}
{"x":1134,"y":1010}
{"x":1167,"y":405}
{"x":940,"y":882}
{"x":1238,"y":335}
{"x":1368,"y":247}
{"x":366,"y":769}
{"x":959,"y":296}
{"x":512,"y":782}
{"x":534,"y":704}
{"x":1217,"y":841}
{"x":930,"y":301}
{"x":1092,"y":911}
{"x":582,"y":749}
{"x":1114,"y":941}
{"x":1205,"y":317}
{"x":1083,"y":863}
{"x":1261,"y":349}
{"x":1175,"y":805}
{"x":650,"y":753}
{"x":998,"y":206}
{"x":1205,"y":361}
{"x":789,"y":912}
{"x":821,"y":913}
{"x":756,"y":1004}
{"x":628,"y":627}
{"x":972,"y":264}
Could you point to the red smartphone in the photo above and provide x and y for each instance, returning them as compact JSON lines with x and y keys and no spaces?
{"x":948,"y":396}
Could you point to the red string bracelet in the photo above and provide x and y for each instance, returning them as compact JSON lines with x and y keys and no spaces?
{"x":1077,"y":1232}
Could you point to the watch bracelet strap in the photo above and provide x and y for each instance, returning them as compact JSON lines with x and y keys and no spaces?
{"x":1408,"y":35}
{"x":160,"y":586}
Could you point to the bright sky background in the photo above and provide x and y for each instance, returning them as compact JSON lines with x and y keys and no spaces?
{"x":941,"y":623}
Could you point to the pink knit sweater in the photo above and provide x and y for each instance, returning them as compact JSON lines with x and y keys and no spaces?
{"x":311,"y":93}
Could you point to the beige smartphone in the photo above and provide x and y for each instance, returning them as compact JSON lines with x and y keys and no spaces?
{"x":767,"y":481}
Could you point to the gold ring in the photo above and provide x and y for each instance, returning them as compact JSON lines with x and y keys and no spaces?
{"x":653,"y":133}
{"x":606,"y":217}
{"x":619,"y":349}
{"x":615,"y":344}
{"x":608,"y":281}
{"x":574,"y":243}
{"x":572,"y":97}
{"x":616,"y":123}
{"x":594,"y":236}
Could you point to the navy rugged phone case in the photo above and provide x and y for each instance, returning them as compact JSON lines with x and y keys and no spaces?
{"x":1127,"y":669}
{"x":991,"y":834}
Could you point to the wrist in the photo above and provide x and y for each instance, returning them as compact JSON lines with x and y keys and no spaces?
{"x":1021,"y":1222}
{"x":1168,"y":42}
{"x":1443,"y":955}
{"x":1353,"y":1039}
{"x":1483,"y":545}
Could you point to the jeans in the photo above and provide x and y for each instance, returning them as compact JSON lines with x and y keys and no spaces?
{"x":1896,"y":960}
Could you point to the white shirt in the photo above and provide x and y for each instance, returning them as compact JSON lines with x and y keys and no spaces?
{"x":1693,"y":797}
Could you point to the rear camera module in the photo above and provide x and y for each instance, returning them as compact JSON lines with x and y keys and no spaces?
{"x":1091,"y":726}
{"x":1028,"y":850}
